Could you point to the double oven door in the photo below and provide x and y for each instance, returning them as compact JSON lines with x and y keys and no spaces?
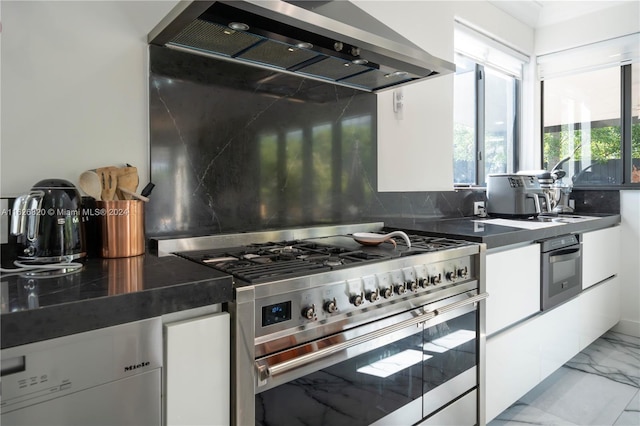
{"x":398,"y":370}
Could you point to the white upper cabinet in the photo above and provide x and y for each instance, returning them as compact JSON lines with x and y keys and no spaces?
{"x":415,"y":145}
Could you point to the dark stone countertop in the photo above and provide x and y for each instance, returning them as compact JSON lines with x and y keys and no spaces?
{"x":109,"y":292}
{"x":479,"y":230}
{"x":104,"y":293}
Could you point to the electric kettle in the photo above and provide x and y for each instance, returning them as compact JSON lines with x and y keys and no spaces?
{"x":48,"y":223}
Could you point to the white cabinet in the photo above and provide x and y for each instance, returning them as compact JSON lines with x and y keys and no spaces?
{"x":512,"y":367}
{"x":558,"y":334}
{"x":600,"y":255}
{"x":513,"y":284}
{"x":415,"y":149}
{"x":197,"y":363}
{"x":520,"y":357}
{"x":599,"y":310}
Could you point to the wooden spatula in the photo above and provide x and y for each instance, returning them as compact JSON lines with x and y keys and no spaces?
{"x":109,"y":180}
{"x":127,"y":180}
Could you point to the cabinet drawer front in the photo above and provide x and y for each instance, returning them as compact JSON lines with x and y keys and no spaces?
{"x":600,"y":255}
{"x":513,"y":284}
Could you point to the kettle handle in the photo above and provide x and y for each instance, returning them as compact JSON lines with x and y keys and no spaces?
{"x":33,"y":204}
{"x":17,"y":214}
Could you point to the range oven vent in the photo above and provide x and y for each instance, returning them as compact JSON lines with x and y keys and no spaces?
{"x":302,"y":38}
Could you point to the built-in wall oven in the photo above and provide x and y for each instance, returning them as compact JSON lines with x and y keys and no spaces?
{"x":561,"y":270}
{"x":327,"y":331}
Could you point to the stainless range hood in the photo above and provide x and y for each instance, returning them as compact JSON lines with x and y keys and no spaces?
{"x":330,"y":41}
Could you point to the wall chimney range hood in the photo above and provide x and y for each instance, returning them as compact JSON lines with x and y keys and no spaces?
{"x":329,"y":41}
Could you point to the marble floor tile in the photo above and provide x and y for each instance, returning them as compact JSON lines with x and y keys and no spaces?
{"x":614,"y":356}
{"x":631,"y":414}
{"x":599,"y":386}
{"x":519,"y":414}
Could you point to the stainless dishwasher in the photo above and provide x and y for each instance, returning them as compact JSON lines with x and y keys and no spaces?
{"x":110,"y":376}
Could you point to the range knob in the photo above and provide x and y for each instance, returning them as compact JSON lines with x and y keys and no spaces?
{"x":423,"y":282}
{"x":401,"y":289}
{"x":451,"y":275}
{"x":463,"y":272}
{"x":412,"y":286}
{"x":331,"y":306}
{"x":436,"y":279}
{"x":357,"y":299}
{"x":373,"y":296}
{"x":309,"y":312}
{"x":387,"y":292}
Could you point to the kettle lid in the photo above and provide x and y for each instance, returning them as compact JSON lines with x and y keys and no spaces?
{"x":54,"y":184}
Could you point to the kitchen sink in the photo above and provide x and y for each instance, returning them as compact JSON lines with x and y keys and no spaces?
{"x":565,"y":218}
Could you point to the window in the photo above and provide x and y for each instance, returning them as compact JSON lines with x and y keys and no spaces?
{"x":590,"y":108}
{"x":581,"y":116}
{"x":486,"y":107}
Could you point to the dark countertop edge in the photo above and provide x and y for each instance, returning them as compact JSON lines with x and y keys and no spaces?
{"x":526,"y":235}
{"x":29,"y":326}
{"x":508,"y":235}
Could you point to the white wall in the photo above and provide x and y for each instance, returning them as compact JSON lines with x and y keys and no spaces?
{"x":74,"y":88}
{"x":598,"y":26}
{"x":415,"y":153}
{"x":630,"y":263}
{"x":74,"y":79}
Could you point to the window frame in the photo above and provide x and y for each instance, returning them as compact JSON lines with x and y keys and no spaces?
{"x":626,"y":122}
{"x":480,"y":125}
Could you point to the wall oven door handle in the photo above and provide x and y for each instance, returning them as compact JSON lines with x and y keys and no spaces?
{"x":265,"y":371}
{"x":565,"y":255}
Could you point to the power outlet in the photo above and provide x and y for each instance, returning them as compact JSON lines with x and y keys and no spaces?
{"x":478,"y":208}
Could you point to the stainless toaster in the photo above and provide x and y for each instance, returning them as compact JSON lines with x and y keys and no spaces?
{"x":514,"y":195}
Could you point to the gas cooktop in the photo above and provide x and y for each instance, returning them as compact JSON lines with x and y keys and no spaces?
{"x":263,"y":262}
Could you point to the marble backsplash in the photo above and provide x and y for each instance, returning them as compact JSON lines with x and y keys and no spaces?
{"x":236,"y":148}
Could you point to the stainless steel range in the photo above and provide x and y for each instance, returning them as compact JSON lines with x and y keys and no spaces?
{"x":328,"y":331}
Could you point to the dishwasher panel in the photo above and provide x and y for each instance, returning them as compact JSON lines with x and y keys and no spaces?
{"x":134,"y":400}
{"x":86,"y":372}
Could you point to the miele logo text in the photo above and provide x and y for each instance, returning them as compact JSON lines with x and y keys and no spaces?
{"x":136,"y":366}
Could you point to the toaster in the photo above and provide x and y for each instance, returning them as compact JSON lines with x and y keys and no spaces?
{"x":515,"y":195}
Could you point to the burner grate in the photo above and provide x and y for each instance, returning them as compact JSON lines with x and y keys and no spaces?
{"x":269,"y":261}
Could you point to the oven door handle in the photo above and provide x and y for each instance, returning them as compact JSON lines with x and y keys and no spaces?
{"x":460,"y":304}
{"x":265,"y":371}
{"x":565,"y":255}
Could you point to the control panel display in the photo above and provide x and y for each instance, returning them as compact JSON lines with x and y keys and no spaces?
{"x":274,"y":314}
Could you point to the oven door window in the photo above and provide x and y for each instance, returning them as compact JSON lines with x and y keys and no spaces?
{"x":371,"y":386}
{"x":563,"y":274}
{"x":451,"y":349}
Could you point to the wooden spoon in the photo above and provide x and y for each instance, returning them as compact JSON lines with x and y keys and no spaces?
{"x":132,"y":194}
{"x":90,"y":183}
